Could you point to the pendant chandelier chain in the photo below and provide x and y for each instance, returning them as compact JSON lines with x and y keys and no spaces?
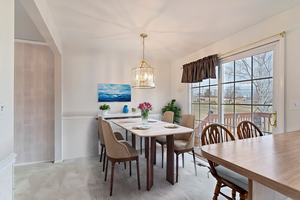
{"x":143,"y":48}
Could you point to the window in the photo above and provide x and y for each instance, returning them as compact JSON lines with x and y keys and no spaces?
{"x":247,"y":91}
{"x":245,"y":86}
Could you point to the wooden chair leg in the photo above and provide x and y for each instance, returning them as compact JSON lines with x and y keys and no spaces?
{"x":194,"y":162}
{"x":145,"y":148}
{"x":138,"y":173}
{"x":124,"y":165}
{"x":162,"y":156}
{"x":155,"y":154}
{"x":233,"y":193}
{"x":104,"y":158}
{"x":106,"y":170}
{"x":112,"y":177}
{"x":182,"y":160}
{"x":101,"y":153}
{"x":141,"y":145}
{"x":177,"y":155}
{"x":129,"y":168}
{"x":217,"y":190}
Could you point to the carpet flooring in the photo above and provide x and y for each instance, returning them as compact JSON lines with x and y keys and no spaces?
{"x":83,"y":179}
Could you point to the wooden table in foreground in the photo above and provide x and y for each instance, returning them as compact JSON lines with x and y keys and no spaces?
{"x":271,"y":163}
{"x":157,"y":129}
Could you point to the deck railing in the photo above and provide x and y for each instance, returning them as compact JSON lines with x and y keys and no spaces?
{"x":261,"y":120}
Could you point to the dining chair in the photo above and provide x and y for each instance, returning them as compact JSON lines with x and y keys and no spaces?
{"x":117,"y":151}
{"x":185,"y":142}
{"x":162,"y":140}
{"x":246,"y":129}
{"x":102,"y":143}
{"x":215,"y":133}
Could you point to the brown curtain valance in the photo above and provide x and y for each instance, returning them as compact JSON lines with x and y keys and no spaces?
{"x":199,"y":70}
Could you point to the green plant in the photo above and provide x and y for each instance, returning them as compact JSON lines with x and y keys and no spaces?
{"x":104,"y":107}
{"x":176,"y":110}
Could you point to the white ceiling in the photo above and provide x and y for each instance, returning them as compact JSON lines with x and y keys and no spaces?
{"x":175,"y":28}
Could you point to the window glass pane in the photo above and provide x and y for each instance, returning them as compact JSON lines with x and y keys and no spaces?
{"x":214,"y":94}
{"x":263,"y":91}
{"x":242,"y":113}
{"x":204,"y":114}
{"x":214,"y":117}
{"x":205,"y":82}
{"x":243,"y":92}
{"x":204,"y":94}
{"x":195,"y":95}
{"x":228,"y":72}
{"x":228,"y":114}
{"x":195,"y":111}
{"x":228,"y":93}
{"x":215,"y":81}
{"x":263,"y":65}
{"x":195,"y":84}
{"x":261,"y":117}
{"x":243,"y":69}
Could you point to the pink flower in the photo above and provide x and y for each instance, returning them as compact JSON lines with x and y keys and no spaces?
{"x":145,"y":106}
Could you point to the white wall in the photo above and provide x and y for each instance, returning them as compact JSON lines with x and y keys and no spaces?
{"x":7,"y":77}
{"x":7,"y":157}
{"x":288,"y":21}
{"x":84,"y":68}
{"x":25,"y":29}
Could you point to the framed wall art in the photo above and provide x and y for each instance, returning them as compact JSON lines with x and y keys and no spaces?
{"x":114,"y":92}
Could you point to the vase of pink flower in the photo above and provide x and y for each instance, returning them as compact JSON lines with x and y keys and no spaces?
{"x":145,"y":108}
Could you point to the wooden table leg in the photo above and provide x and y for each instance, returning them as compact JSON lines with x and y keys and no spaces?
{"x":133,"y":140}
{"x":147,"y":162}
{"x":152,"y":153}
{"x":170,"y":159}
{"x":126,"y":135}
{"x":259,"y":191}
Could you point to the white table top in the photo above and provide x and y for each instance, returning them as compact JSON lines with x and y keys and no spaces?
{"x":157,"y":129}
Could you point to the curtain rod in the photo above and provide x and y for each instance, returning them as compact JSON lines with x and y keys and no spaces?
{"x":281,"y":34}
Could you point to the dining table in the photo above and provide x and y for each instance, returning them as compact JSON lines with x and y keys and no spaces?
{"x":271,"y":163}
{"x":158,"y":128}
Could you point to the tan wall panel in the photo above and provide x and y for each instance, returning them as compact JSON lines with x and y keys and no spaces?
{"x":34,"y":103}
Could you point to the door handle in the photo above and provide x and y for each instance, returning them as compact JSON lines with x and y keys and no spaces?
{"x":275,"y":119}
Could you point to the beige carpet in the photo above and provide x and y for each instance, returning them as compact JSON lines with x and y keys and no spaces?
{"x":82,"y":178}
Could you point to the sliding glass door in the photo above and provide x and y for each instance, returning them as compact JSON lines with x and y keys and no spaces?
{"x":243,"y":90}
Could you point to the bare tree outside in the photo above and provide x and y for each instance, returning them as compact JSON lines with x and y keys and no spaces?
{"x":262,"y":77}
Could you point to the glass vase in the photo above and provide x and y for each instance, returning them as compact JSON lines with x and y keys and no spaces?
{"x":144,"y":115}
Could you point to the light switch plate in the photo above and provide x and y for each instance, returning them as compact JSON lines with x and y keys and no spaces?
{"x":295,"y":104}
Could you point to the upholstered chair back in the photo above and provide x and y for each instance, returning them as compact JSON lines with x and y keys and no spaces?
{"x":189,"y":122}
{"x":100,"y":132}
{"x":168,"y":117}
{"x":114,"y":148}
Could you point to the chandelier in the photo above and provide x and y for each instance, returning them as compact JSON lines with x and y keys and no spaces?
{"x":143,"y":75}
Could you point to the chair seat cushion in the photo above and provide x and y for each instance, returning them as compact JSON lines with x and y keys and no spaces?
{"x":162,"y":139}
{"x":132,"y":151}
{"x":232,"y":177}
{"x":118,"y":136}
{"x":180,"y":144}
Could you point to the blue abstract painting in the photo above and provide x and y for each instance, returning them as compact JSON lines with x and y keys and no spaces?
{"x":114,"y":92}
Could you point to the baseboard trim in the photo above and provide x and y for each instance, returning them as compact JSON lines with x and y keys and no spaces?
{"x":37,"y":162}
{"x":10,"y":160}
